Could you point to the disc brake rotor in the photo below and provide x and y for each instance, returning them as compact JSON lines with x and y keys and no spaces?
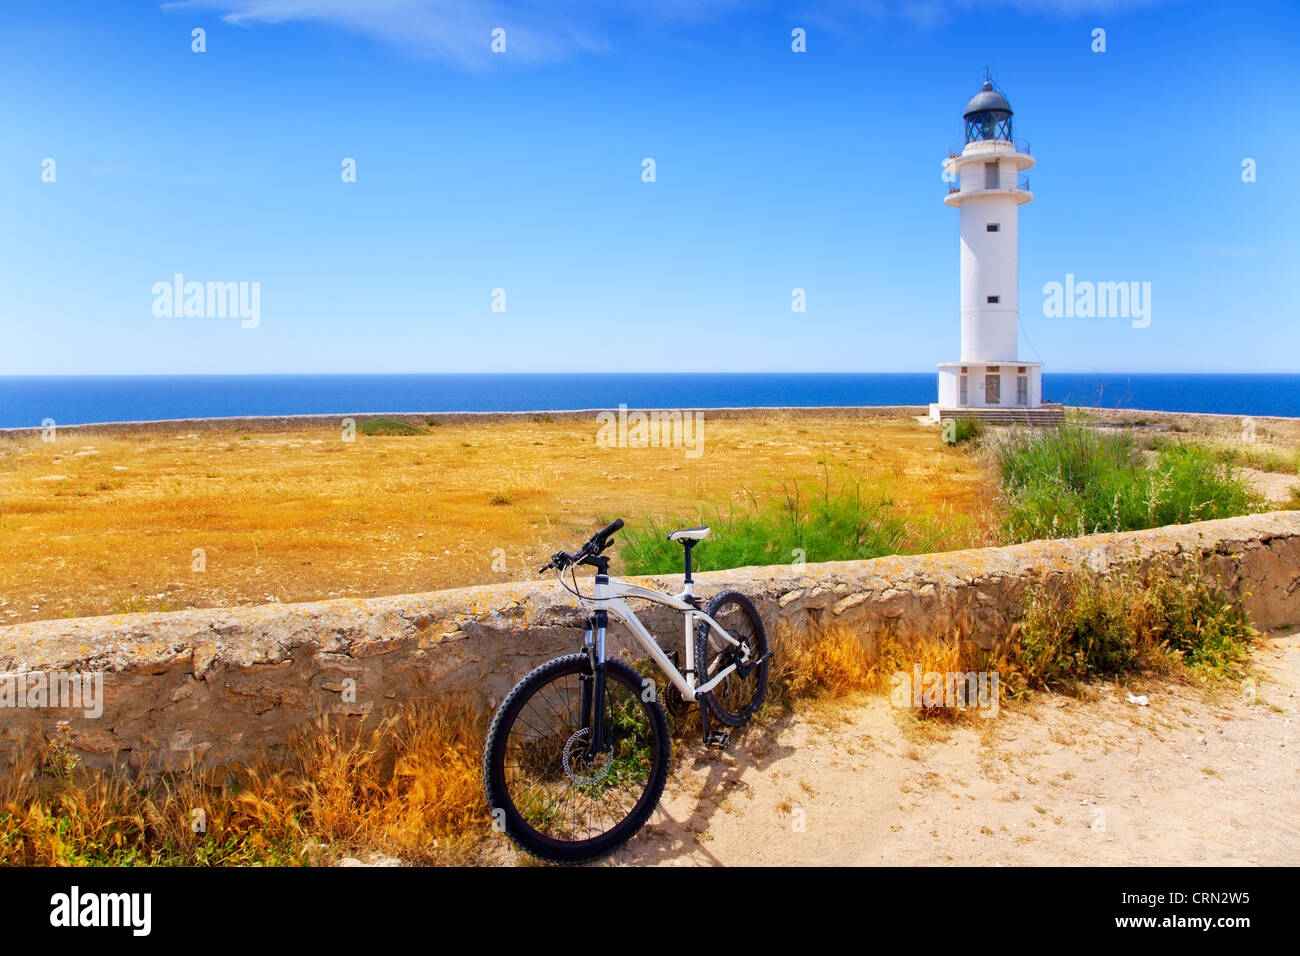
{"x":572,"y":757}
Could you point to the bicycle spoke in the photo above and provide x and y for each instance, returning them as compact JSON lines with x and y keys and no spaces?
{"x":550,"y":780}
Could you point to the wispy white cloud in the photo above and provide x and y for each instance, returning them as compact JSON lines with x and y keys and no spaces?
{"x":459,"y":31}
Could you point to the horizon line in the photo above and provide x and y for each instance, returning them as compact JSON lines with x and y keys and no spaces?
{"x":4,"y":375}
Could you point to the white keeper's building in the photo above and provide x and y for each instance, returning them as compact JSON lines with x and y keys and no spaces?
{"x":988,"y":186}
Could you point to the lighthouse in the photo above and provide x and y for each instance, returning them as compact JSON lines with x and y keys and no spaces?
{"x":987,"y":185}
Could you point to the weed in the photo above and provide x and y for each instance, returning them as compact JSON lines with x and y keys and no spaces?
{"x":408,"y":786}
{"x":849,"y":522}
{"x":389,"y":427}
{"x":1077,"y":480}
{"x":964,"y":429}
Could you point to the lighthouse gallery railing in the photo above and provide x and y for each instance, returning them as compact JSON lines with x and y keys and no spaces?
{"x":981,"y":183}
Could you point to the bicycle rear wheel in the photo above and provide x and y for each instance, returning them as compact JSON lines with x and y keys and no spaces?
{"x":735,"y":700}
{"x":550,"y":797}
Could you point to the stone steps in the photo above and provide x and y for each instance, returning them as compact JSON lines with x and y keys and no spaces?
{"x":1043,"y":416}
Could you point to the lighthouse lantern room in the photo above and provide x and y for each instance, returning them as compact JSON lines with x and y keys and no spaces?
{"x":987,"y":185}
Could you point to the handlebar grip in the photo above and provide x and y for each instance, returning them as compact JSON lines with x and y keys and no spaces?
{"x":608,"y":530}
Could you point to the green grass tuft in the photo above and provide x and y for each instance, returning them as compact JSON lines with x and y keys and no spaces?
{"x":1078,"y":479}
{"x":388,"y":427}
{"x":962,"y":430}
{"x":841,"y":524}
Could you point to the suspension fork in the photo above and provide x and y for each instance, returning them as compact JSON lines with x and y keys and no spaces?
{"x":585,"y":681}
{"x":593,"y":688}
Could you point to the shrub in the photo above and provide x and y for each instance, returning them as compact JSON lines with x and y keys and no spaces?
{"x":846,"y":523}
{"x":962,"y":430}
{"x":1104,"y":628}
{"x":389,"y":427}
{"x":1079,"y":630}
{"x":1077,"y":479}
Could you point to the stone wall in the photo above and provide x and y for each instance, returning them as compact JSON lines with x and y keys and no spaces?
{"x":584,"y":416}
{"x":225,"y":685}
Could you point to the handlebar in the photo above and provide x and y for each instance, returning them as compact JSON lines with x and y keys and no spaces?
{"x":597,"y":543}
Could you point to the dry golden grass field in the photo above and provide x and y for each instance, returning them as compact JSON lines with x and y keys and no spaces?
{"x":101,"y":523}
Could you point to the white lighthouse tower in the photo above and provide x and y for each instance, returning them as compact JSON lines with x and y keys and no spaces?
{"x":988,"y":187}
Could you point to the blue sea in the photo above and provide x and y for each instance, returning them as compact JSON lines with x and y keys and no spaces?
{"x":25,"y":401}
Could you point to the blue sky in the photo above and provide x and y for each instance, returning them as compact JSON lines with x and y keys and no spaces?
{"x":522,"y":171}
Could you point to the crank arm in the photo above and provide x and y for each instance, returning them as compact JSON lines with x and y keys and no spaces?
{"x":744,"y":670}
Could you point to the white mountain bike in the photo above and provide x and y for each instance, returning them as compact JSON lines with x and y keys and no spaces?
{"x":577,"y":754}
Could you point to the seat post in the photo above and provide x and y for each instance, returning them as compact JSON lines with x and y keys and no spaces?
{"x":687,"y":543}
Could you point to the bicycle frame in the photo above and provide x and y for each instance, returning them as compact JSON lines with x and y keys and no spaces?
{"x":608,"y":599}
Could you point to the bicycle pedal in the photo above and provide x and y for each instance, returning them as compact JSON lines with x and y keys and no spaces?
{"x":717,"y":740}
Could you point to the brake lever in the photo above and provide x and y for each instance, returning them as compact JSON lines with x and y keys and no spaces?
{"x":562,"y":560}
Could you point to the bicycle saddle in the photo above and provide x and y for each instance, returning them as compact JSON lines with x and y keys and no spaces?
{"x":690,"y":534}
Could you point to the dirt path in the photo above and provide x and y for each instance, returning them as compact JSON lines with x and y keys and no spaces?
{"x":1272,"y":485}
{"x":1191,"y":779}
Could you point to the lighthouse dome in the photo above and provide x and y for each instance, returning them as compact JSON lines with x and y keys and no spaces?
{"x":987,"y":100}
{"x":988,"y":116}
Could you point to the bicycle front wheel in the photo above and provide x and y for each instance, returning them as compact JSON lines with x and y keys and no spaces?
{"x":556,"y":796}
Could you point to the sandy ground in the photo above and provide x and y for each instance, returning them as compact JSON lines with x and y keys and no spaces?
{"x":1272,"y":485}
{"x":1196,"y":777}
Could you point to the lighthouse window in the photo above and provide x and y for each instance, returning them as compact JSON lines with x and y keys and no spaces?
{"x":992,"y":227}
{"x":964,"y":391}
{"x":994,"y":299}
{"x":1022,"y":389}
{"x":991,"y":176}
